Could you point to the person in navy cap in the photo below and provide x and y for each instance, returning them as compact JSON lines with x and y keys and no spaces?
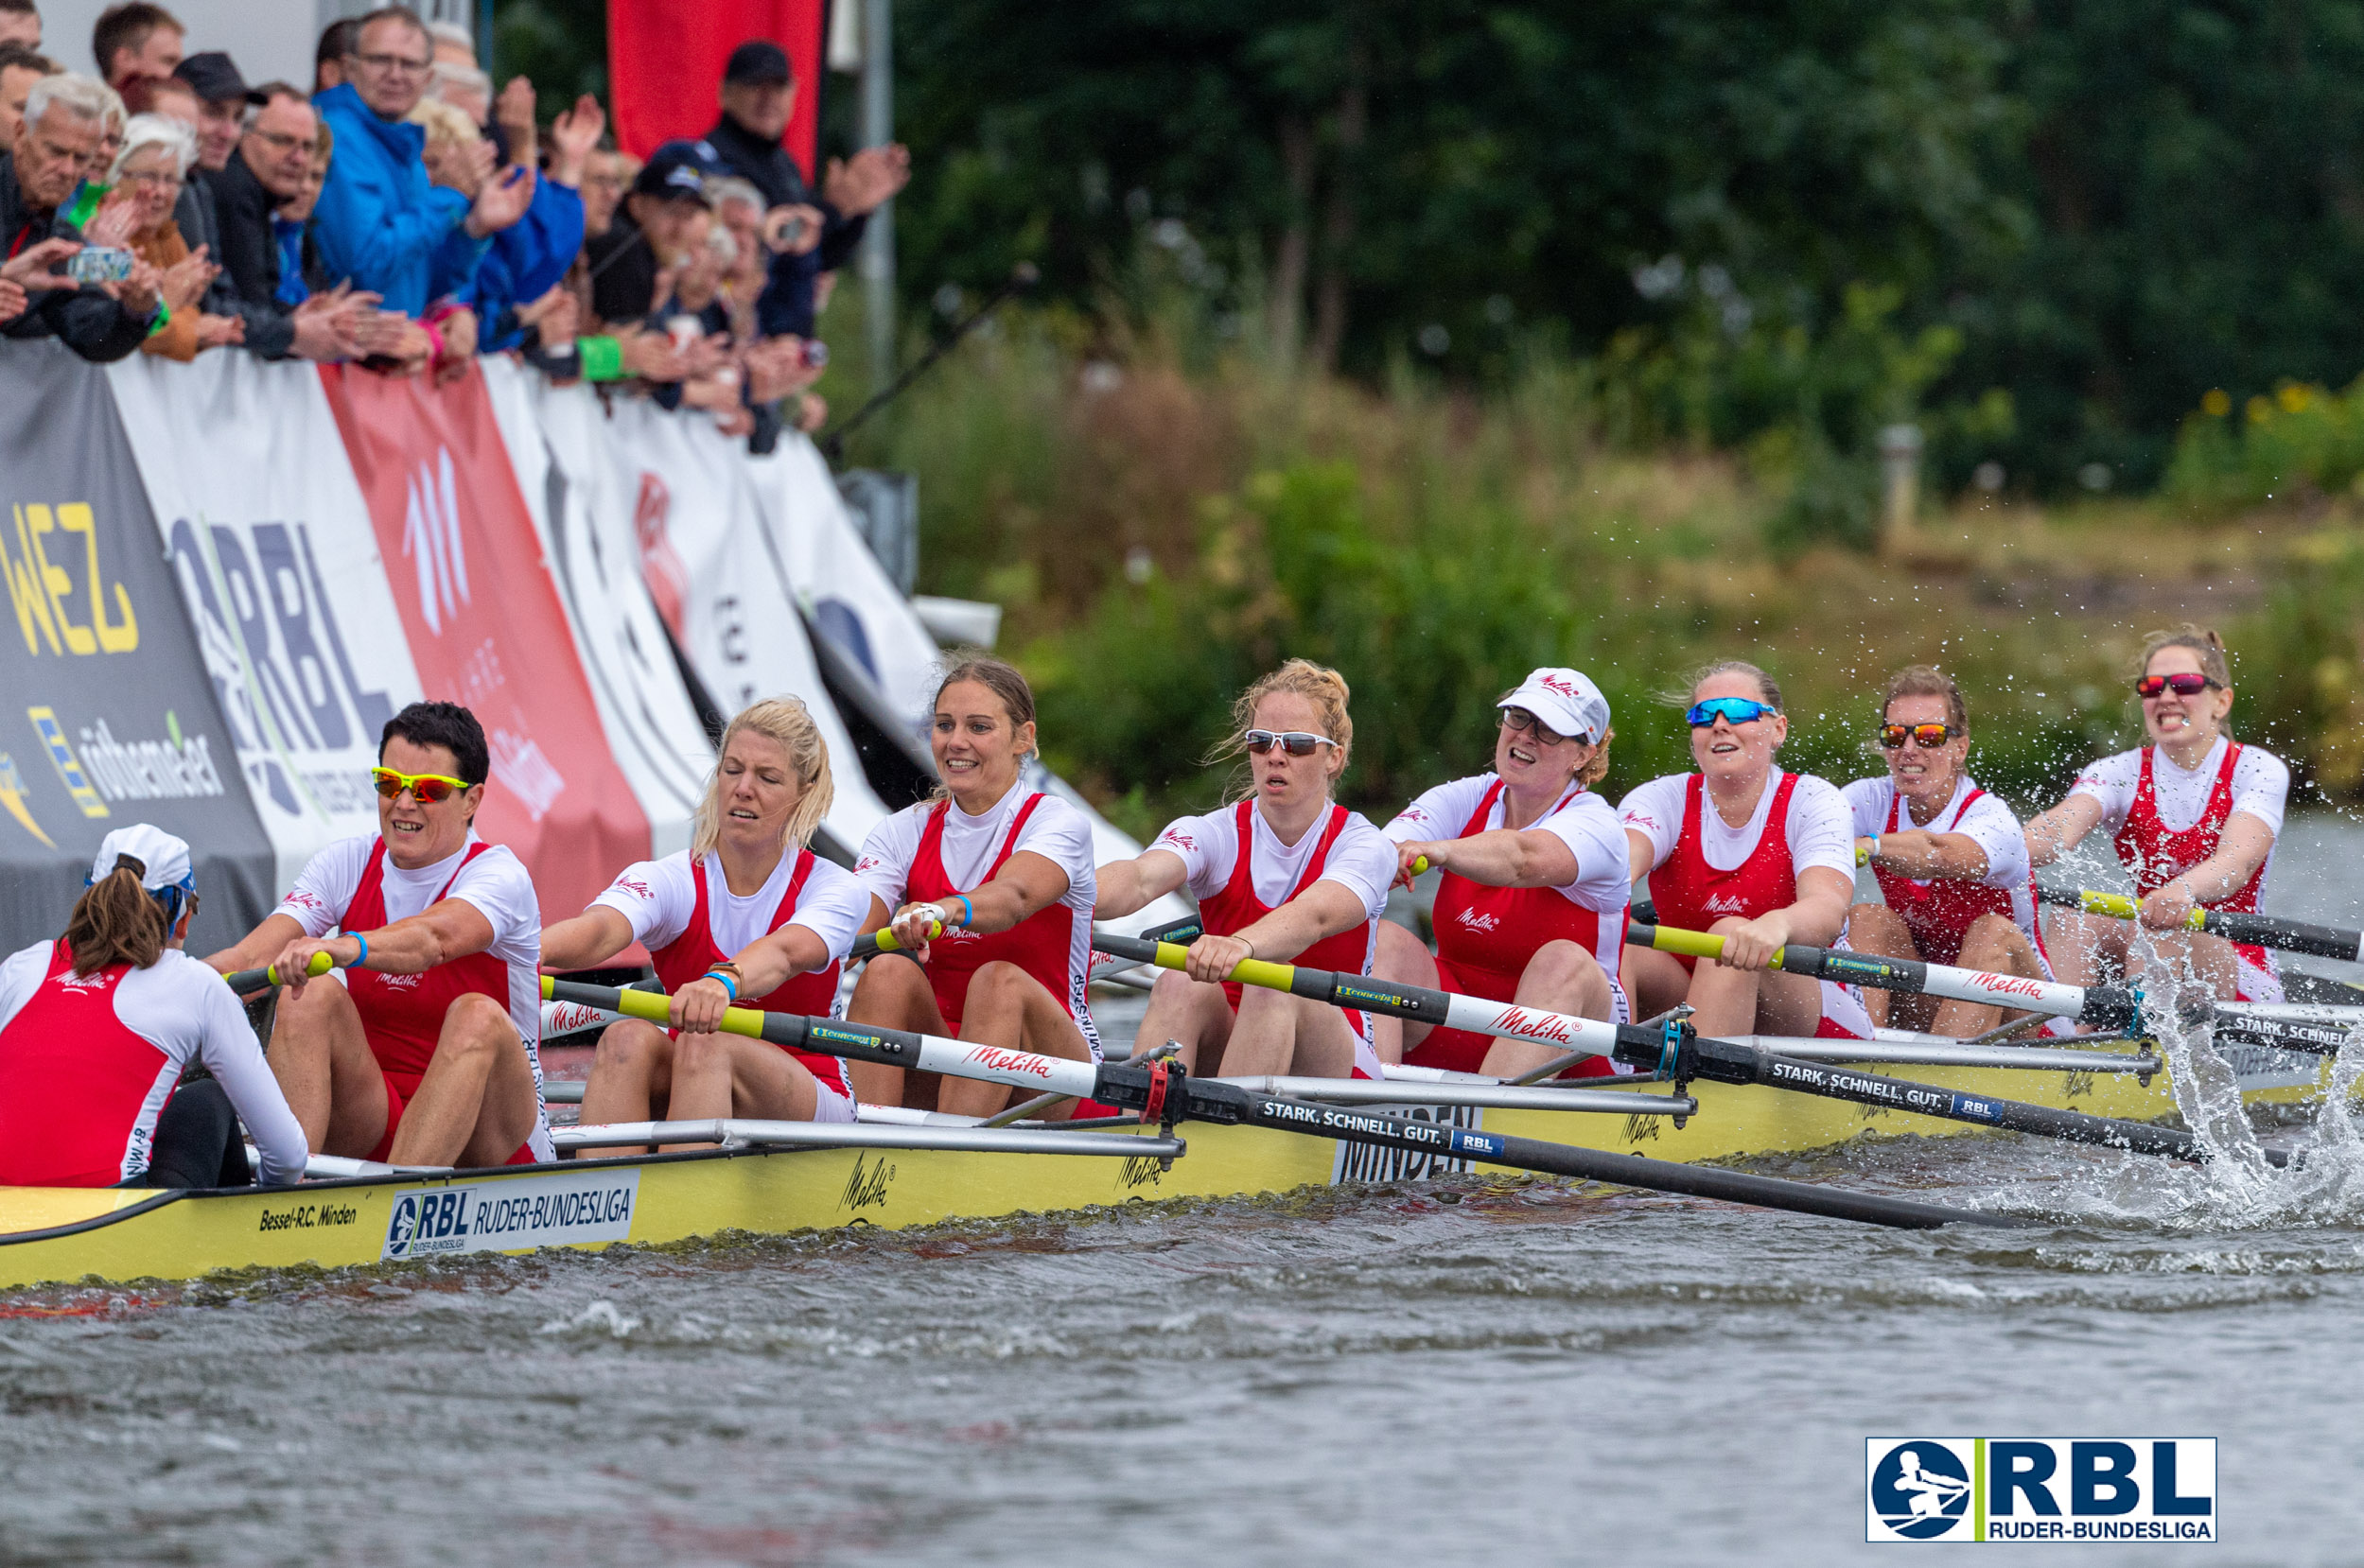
{"x":651,"y":231}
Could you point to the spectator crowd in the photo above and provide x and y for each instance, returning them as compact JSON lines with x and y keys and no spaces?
{"x":403,"y":216}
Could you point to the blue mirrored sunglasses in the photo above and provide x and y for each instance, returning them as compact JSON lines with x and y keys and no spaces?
{"x":1738,"y":710}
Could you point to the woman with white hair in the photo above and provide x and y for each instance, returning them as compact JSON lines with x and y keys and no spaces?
{"x":148,"y":174}
{"x":746,"y":912}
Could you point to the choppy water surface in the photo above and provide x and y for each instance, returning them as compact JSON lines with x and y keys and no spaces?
{"x":1523,"y":1373}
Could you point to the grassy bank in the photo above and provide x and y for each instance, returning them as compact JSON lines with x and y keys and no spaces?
{"x":1162,"y":521}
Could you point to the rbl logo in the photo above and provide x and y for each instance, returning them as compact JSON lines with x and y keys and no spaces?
{"x":2039,"y":1488}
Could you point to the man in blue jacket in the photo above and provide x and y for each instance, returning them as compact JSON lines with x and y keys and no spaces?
{"x":380,"y":221}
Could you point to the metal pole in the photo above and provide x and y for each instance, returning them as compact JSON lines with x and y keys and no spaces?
{"x":878,"y":244}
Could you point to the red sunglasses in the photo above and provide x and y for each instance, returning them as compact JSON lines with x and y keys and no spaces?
{"x":2187,"y":683}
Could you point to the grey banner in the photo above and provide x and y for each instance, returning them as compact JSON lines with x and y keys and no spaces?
{"x":106,"y":714}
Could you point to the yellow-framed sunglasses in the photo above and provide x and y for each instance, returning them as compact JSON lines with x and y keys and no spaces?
{"x":432,"y":787}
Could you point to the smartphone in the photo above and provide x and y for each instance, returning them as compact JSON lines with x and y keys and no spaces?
{"x":98,"y":263}
{"x":816,"y":353}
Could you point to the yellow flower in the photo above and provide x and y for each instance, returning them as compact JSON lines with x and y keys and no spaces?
{"x":2216,"y":404}
{"x":2259,"y":410}
{"x":2294,"y":397}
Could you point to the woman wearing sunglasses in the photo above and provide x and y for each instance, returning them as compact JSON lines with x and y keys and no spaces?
{"x":1286,"y":875}
{"x":2195,"y":815}
{"x":747,"y":912}
{"x":1758,"y":855}
{"x":96,"y":1027}
{"x":425,"y":1050}
{"x":992,"y":887}
{"x":1531,"y":905}
{"x":1950,"y":860}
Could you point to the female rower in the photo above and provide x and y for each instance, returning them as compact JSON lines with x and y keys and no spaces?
{"x":97,"y":1026}
{"x":1950,"y":858}
{"x":747,"y":912}
{"x":2196,"y":814}
{"x":1283,"y":875}
{"x":1755,"y":855}
{"x":1002,"y":874}
{"x":1530,"y":907}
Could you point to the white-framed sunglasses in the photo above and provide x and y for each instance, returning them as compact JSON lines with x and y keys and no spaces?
{"x":1297,"y":743}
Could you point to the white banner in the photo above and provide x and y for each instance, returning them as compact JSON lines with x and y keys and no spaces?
{"x":708,"y":558}
{"x":269,"y":536}
{"x":558,"y":439}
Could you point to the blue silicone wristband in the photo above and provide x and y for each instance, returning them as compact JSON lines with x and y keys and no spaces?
{"x":363,"y":957}
{"x":728,"y":985}
{"x":968,"y":910}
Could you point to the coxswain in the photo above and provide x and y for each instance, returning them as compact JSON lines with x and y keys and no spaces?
{"x":747,"y":916}
{"x":424,"y":1050}
{"x":2195,"y":814}
{"x":97,"y":1026}
{"x":989,"y":885}
{"x":1286,"y":875}
{"x":1755,"y":855}
{"x":1950,"y":857}
{"x":1531,"y":905}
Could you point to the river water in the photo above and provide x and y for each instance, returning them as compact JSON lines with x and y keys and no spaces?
{"x":1447,"y":1372}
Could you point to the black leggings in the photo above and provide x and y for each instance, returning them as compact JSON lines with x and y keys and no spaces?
{"x":196,"y":1141}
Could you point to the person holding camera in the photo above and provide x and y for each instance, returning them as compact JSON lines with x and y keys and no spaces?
{"x":100,"y":302}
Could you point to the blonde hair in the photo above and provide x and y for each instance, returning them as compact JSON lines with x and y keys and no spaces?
{"x":1927,"y":680}
{"x":2202,"y":640}
{"x":1324,"y":688}
{"x":1768,"y":690}
{"x":787,"y":720}
{"x":444,"y":123}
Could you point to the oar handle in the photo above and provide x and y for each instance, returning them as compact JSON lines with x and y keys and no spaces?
{"x":1173,"y":955}
{"x":656,"y":1007}
{"x":2264,"y":930}
{"x":885,"y":940}
{"x":1700,"y":944}
{"x":248,"y":982}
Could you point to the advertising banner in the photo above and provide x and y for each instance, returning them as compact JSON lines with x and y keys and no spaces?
{"x":109,"y":718}
{"x":555,"y":436}
{"x":714,"y":574}
{"x":280,"y":574}
{"x":486,"y":626}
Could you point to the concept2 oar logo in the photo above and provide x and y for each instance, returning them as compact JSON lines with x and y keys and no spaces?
{"x":2039,"y":1488}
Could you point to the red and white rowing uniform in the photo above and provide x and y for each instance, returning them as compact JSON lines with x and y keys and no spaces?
{"x":1704,"y":870}
{"x":352,"y":886}
{"x":929,"y":852}
{"x":2168,"y":819}
{"x":88,"y":1061}
{"x":1938,"y":910}
{"x":1485,"y":937}
{"x":684,"y":911}
{"x":1238,"y":887}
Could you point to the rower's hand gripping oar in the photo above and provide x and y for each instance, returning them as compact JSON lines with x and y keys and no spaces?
{"x":248,"y":982}
{"x":1681,"y":1054}
{"x":1163,"y":1091}
{"x":2263,"y":931}
{"x":2104,"y":1006}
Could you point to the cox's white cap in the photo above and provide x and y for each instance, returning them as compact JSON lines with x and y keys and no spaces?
{"x":164,"y":859}
{"x":1565,"y":701}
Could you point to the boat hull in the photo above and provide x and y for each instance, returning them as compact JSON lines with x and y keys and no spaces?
{"x":68,"y":1235}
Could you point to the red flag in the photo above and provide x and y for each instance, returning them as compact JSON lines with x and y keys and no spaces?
{"x":485,"y":625}
{"x":665,"y":65}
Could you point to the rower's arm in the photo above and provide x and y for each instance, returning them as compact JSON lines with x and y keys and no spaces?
{"x":1823,"y":895}
{"x":2056,"y":833}
{"x":1128,"y":887}
{"x":1641,"y":855}
{"x":1027,"y":884}
{"x":776,"y":957}
{"x":589,"y":940}
{"x":437,"y":934}
{"x":1505,"y":857}
{"x":1323,"y":910}
{"x":259,"y":945}
{"x":2241,"y":848}
{"x":1922,"y":854}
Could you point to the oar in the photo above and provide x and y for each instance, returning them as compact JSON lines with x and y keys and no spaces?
{"x":1164,"y":1092}
{"x":872,"y":943}
{"x":2106,"y":1006}
{"x":2263,"y":931}
{"x":1675,"y":1051}
{"x":248,"y":982}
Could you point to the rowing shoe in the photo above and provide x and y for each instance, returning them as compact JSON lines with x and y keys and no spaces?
{"x":1673,"y":1050}
{"x":1164,"y":1093}
{"x":2263,"y":931}
{"x":2319,"y":1029}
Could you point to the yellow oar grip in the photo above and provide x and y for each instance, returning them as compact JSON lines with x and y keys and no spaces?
{"x":1420,"y":866}
{"x":2117,"y":906}
{"x":1248,"y":972}
{"x":320,"y":965}
{"x":1692,"y":943}
{"x":656,"y":1007}
{"x":885,"y":938}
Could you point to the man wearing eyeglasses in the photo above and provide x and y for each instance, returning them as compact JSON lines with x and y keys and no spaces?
{"x":422,"y":1047}
{"x":1950,"y":858}
{"x":381,"y":221}
{"x":64,"y":119}
{"x":272,"y":163}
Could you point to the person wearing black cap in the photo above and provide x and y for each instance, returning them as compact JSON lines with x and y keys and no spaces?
{"x":759,"y":93}
{"x":222,"y":99}
{"x":651,"y":230}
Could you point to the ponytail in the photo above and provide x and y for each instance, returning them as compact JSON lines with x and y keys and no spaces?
{"x":117,"y":922}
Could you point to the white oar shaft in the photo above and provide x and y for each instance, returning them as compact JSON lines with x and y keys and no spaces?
{"x":1508,"y":1020}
